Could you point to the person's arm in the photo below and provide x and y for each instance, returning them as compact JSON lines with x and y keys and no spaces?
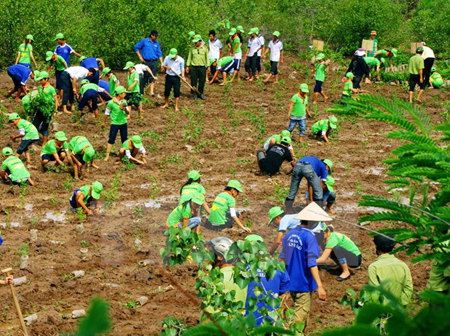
{"x":140,"y":56}
{"x":76,"y":53}
{"x":238,"y":222}
{"x":133,"y":159}
{"x":185,"y":221}
{"x":421,"y":75}
{"x":290,"y":108}
{"x":206,"y":206}
{"x":378,"y":72}
{"x":17,"y":58}
{"x":8,"y":281}
{"x":104,"y":118}
{"x":56,"y":156}
{"x":310,"y":192}
{"x":32,"y":58}
{"x":79,"y":197}
{"x":99,"y":60}
{"x":276,"y":243}
{"x":281,"y":57}
{"x":151,"y":72}
{"x":55,"y":97}
{"x":320,"y":289}
{"x":373,"y":279}
{"x":188,"y":62}
{"x":65,"y":64}
{"x":133,"y":85}
{"x":74,"y":86}
{"x":325,"y":255}
{"x":308,"y":112}
{"x":214,"y":77}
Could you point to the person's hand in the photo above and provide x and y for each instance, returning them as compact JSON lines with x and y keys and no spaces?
{"x":168,"y":68}
{"x":9,"y":280}
{"x":79,"y":165}
{"x":142,"y":60}
{"x":282,"y":61}
{"x":89,"y":212}
{"x":187,"y":70}
{"x":97,"y":211}
{"x":246,"y":229}
{"x":322,"y":293}
{"x":13,"y":137}
{"x":421,"y":80}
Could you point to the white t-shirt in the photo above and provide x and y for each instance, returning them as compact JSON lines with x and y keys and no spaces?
{"x":275,"y":50}
{"x":140,"y":68}
{"x":77,"y":72}
{"x":254,"y":45}
{"x":214,"y":49}
{"x":261,"y":38}
{"x":427,"y":53}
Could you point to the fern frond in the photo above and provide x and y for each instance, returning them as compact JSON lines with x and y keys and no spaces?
{"x":392,"y":216}
{"x":422,"y":119}
{"x":397,"y":181}
{"x":395,"y":120}
{"x":414,"y":148}
{"x":413,"y":137}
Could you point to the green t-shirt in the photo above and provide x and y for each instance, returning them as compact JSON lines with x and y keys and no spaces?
{"x":436,"y":80}
{"x":238,"y":42}
{"x":299,"y":109}
{"x":118,"y":116}
{"x":339,"y":239}
{"x":16,"y":169}
{"x":31,"y":132}
{"x":188,"y":191}
{"x":224,"y":61}
{"x":180,"y":212}
{"x":131,"y":78}
{"x":48,"y":91}
{"x":221,"y":205}
{"x":85,"y":191}
{"x":415,"y":64}
{"x":112,"y":85}
{"x":90,"y":86}
{"x":320,"y":71}
{"x":51,"y":147}
{"x":347,"y":88}
{"x":78,"y":143}
{"x":127,"y":145}
{"x":59,"y":63}
{"x":320,"y":126}
{"x":372,"y":61}
{"x":25,"y":53}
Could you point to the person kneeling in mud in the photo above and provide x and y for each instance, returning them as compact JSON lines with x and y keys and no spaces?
{"x":187,"y":214}
{"x":13,"y":169}
{"x":131,"y":148}
{"x":82,"y":153}
{"x":276,"y":155}
{"x":87,"y":197}
{"x":55,"y":150}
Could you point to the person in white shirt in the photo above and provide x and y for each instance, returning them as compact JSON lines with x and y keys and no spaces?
{"x":69,"y":79}
{"x":260,"y":52}
{"x":276,"y":56}
{"x":215,"y":51}
{"x":428,"y":60}
{"x":144,"y":74}
{"x":174,"y":67}
{"x":254,"y":45}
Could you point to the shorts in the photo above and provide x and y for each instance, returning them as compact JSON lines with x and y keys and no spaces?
{"x":58,"y":79}
{"x":413,"y":80}
{"x":24,"y":144}
{"x":258,"y":63}
{"x":274,"y":68}
{"x":113,"y":133}
{"x":318,"y":87}
{"x":219,"y":227}
{"x":153,"y":65}
{"x":227,"y":67}
{"x":79,"y":157}
{"x":172,"y":82}
{"x":236,"y":64}
{"x":302,"y":307}
{"x":133,"y":98}
{"x":72,"y":201}
{"x":16,"y":80}
{"x":104,"y":96}
{"x":41,"y":122}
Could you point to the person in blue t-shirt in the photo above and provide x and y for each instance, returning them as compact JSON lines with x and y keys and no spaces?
{"x":19,"y":74}
{"x":278,"y":285}
{"x":64,"y":50}
{"x":102,"y":95}
{"x":300,"y":252}
{"x":284,"y":222}
{"x":92,"y":63}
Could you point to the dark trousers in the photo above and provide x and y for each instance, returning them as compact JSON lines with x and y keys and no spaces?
{"x":213,"y":69}
{"x":89,"y":95}
{"x":95,"y":78}
{"x":172,"y":82}
{"x":41,"y":122}
{"x":113,"y":133}
{"x":304,"y":170}
{"x":227,"y":225}
{"x":356,"y":81}
{"x":428,"y":63}
{"x":198,"y":78}
{"x":250,"y":65}
{"x":342,"y":256}
{"x":258,"y":63}
{"x":66,"y":85}
{"x":153,"y":65}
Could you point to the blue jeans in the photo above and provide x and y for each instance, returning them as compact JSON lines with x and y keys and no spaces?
{"x":304,"y":170}
{"x":301,"y":126}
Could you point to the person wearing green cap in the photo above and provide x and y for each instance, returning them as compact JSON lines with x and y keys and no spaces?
{"x":215,"y":51}
{"x":191,"y":36}
{"x":197,"y":64}
{"x":270,"y":164}
{"x":322,"y":129}
{"x":348,"y":88}
{"x":322,"y":68}
{"x":223,"y":211}
{"x":254,"y":45}
{"x":276,"y":139}
{"x":87,"y":197}
{"x":436,"y":80}
{"x":25,"y":53}
{"x":275,"y":48}
{"x":329,"y":195}
{"x":298,"y":110}
{"x":236,"y":52}
{"x":19,"y":74}
{"x":131,"y":148}
{"x":13,"y":169}
{"x":55,"y":150}
{"x":63,"y":49}
{"x":81,"y":153}
{"x":174,"y":66}
{"x":112,"y":80}
{"x":285,"y":222}
{"x":373,"y":63}
{"x":416,"y":75}
{"x":133,"y":96}
{"x":28,"y":133}
{"x":89,"y":94}
{"x":120,"y":113}
{"x":389,"y":53}
{"x":187,"y":214}
{"x":224,"y":66}
{"x":260,"y":52}
{"x":60,"y":65}
{"x":193,"y":186}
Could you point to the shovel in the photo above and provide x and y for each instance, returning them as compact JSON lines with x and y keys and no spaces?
{"x":186,"y":82}
{"x":16,"y":302}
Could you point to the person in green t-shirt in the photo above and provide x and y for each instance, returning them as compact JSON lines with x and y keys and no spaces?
{"x":191,"y":187}
{"x":436,"y":80}
{"x":276,"y":140}
{"x":120,"y":114}
{"x":55,"y":150}
{"x":89,"y":93}
{"x":342,"y":250}
{"x":416,"y":67}
{"x":87,"y":197}
{"x":236,"y":52}
{"x":187,"y":214}
{"x":389,"y":53}
{"x":322,"y":68}
{"x":113,"y":81}
{"x":373,"y":62}
{"x":81,"y":153}
{"x":13,"y":169}
{"x":133,"y":96}
{"x":224,"y":66}
{"x":298,"y":110}
{"x":60,"y":65}
{"x":322,"y":129}
{"x":223,"y":211}
{"x":25,"y":53}
{"x":348,"y":88}
{"x":28,"y":133}
{"x":131,"y":148}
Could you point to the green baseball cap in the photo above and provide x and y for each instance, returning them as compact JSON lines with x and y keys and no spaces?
{"x":321,"y":56}
{"x":59,"y":36}
{"x":49,"y":55}
{"x":60,"y":136}
{"x":173,"y":52}
{"x":120,"y":89}
{"x":41,"y":75}
{"x":329,"y":164}
{"x":256,"y":29}
{"x":137,"y":141}
{"x":88,"y":154}
{"x":254,"y":237}
{"x":84,"y":81}
{"x":286,"y":140}
{"x":333,"y":122}
{"x":252,"y":31}
{"x":212,"y":60}
{"x":273,"y":213}
{"x":276,"y":33}
{"x":304,"y":88}
{"x":197,"y":38}
{"x":285,"y":133}
{"x":349,"y":75}
{"x":235,"y":184}
{"x":232,"y":31}
{"x":394,"y":52}
{"x":383,"y":60}
{"x":97,"y":188}
{"x":7,"y":151}
{"x":433,"y":69}
{"x":330,"y":183}
{"x":128,"y":65}
{"x":106,"y":71}
{"x":198,"y":198}
{"x":82,"y":58}
{"x":14,"y":116}
{"x":419,"y":49}
{"x":193,"y":175}
{"x":191,"y":33}
{"x":29,"y":37}
{"x":240,"y":28}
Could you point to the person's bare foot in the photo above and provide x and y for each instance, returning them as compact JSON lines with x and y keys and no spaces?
{"x":420,"y":101}
{"x":276,"y":82}
{"x":164,"y":106}
{"x":314,"y":102}
{"x":117,"y":162}
{"x":176,"y":109}
{"x":325,"y":99}
{"x":18,"y":100}
{"x":265,"y":81}
{"x":106,"y":158}
{"x":222,"y":84}
{"x":251,"y":79}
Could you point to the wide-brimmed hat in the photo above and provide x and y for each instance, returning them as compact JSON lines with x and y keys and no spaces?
{"x":313,"y":212}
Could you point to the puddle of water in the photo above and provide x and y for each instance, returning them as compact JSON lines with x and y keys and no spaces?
{"x":151,"y":203}
{"x":60,"y":217}
{"x":375,"y":170}
{"x":28,"y":207}
{"x":15,"y":224}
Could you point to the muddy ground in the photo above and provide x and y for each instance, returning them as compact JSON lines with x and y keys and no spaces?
{"x":219,"y":137}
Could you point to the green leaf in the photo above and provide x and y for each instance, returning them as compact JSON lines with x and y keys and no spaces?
{"x":96,"y":321}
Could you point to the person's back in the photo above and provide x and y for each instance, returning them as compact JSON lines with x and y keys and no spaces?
{"x":276,"y":155}
{"x":415,"y":64}
{"x":317,"y":164}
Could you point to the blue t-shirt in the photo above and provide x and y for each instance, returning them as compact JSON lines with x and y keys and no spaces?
{"x":300,"y":252}
{"x":104,"y":85}
{"x":149,"y":50}
{"x":64,"y":52}
{"x":288,"y":223}
{"x":318,"y":165}
{"x":90,"y":62}
{"x":20,"y":70}
{"x":278,"y":285}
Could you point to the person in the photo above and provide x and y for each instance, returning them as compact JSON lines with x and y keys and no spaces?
{"x":187,"y":214}
{"x":253,"y":47}
{"x":149,"y":51}
{"x":358,"y":67}
{"x":298,"y":110}
{"x":120,"y":114}
{"x":315,"y":171}
{"x":300,"y":251}
{"x":322,"y":68}
{"x":276,"y":56}
{"x":92,"y":63}
{"x":63,"y":49}
{"x":323,"y":128}
{"x":69,"y":79}
{"x":389,"y":53}
{"x":373,"y":62}
{"x":416,"y":75}
{"x":55,"y":150}
{"x":215,"y":51}
{"x":112,"y":80}
{"x":131,"y":148}
{"x":197,"y":63}
{"x":13,"y":169}
{"x":439,"y":280}
{"x":276,"y":155}
{"x":348,"y":88}
{"x":89,"y":93}
{"x":285,"y":222}
{"x":373,"y":37}
{"x":145,"y":73}
{"x":223,"y":211}
{"x":25,"y":53}
{"x":19,"y":74}
{"x":342,"y":250}
{"x":390,"y":272}
{"x":191,"y":187}
{"x":191,"y":35}
{"x":106,"y":95}
{"x":174,"y":66}
{"x":278,"y":286}
{"x":329,"y":195}
{"x":43,"y":117}
{"x":87,"y":198}
{"x":428,"y":59}
{"x":27,"y":131}
{"x":133,"y":96}
{"x":436,"y":80}
{"x":224,"y":66}
{"x":236,"y":52}
{"x":260,"y":52}
{"x":60,"y":65}
{"x":81,"y":153}
{"x":276,"y":139}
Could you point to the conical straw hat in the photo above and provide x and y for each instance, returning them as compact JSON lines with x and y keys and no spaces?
{"x":313,"y":212}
